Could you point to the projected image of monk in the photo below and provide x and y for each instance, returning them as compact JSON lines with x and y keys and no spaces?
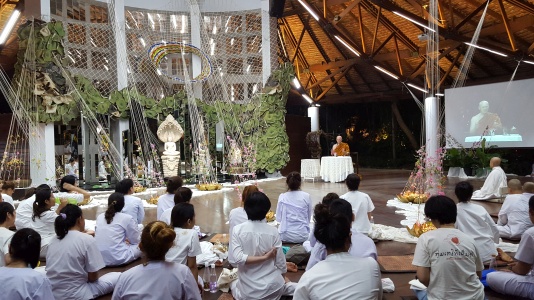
{"x":485,"y":120}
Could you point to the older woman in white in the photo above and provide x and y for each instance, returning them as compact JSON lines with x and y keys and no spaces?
{"x":294,"y":211}
{"x":73,"y":260}
{"x":117,"y":235}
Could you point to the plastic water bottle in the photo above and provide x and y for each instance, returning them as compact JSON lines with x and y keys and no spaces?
{"x":206,"y":277}
{"x":372,"y":221}
{"x":213,"y":279}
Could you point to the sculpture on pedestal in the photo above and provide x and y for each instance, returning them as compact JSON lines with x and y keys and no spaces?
{"x":170,"y":132}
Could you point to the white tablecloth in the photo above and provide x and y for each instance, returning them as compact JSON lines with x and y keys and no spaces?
{"x":336,"y":169}
{"x":310,"y":168}
{"x":495,"y":138}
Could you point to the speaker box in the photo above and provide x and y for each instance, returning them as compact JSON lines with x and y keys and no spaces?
{"x":276,"y":8}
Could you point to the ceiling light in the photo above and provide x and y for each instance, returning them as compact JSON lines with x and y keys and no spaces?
{"x":413,"y":21}
{"x":440,"y":94}
{"x":347,"y":45}
{"x":489,"y":50}
{"x":309,"y":9}
{"x":387,"y":72}
{"x":528,"y":62}
{"x":307,"y":98}
{"x":418,"y":88}
{"x":9,"y":26}
{"x":296,"y":83}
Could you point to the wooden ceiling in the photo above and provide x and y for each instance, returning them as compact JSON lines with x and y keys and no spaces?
{"x":332,"y":73}
{"x":8,"y":52}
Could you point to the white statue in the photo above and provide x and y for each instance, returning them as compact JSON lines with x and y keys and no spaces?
{"x":170,"y":132}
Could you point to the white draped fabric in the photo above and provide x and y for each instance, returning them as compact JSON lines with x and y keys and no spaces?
{"x":310,"y":168}
{"x":336,"y":168}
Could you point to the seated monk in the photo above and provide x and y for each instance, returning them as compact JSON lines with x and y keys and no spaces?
{"x":513,"y":216}
{"x":485,"y":120}
{"x":494,"y":182}
{"x":340,"y":149}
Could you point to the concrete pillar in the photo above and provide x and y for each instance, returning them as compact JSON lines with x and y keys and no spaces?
{"x":117,"y":129}
{"x":196,"y":40}
{"x":313,"y":114}
{"x":268,"y":41}
{"x":432,"y":139}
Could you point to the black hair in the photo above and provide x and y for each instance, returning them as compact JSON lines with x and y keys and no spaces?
{"x":8,"y":185}
{"x":66,"y":179}
{"x":441,"y":208}
{"x":353,"y":182}
{"x":71,"y":159}
{"x":327,"y":200}
{"x":293,"y":181}
{"x":39,"y":205}
{"x":115,"y":205}
{"x":178,"y":198}
{"x":173,"y":183}
{"x":26,"y":246}
{"x":68,"y":216}
{"x":124,"y":186}
{"x":331,"y":229}
{"x":31,"y":191}
{"x":182,"y":212}
{"x":257,"y":206}
{"x":5,"y":208}
{"x":186,"y":193}
{"x":341,"y":207}
{"x":463,"y":191}
{"x":531,"y":203}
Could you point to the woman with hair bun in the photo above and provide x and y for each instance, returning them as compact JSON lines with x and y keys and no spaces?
{"x":117,"y":235}
{"x":294,"y":211}
{"x":156,"y":278}
{"x":73,"y":260}
{"x":340,"y":276}
{"x":19,"y":280}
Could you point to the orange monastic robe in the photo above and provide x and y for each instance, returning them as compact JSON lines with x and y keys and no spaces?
{"x":341,"y":149}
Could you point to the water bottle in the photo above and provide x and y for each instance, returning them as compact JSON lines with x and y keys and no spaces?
{"x":213,"y":279}
{"x":206,"y":277}
{"x":372,"y":221}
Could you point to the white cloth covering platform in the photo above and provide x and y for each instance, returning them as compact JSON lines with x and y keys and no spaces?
{"x":310,"y":168}
{"x":336,"y":168}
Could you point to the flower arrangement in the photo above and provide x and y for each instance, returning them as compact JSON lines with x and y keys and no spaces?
{"x":241,"y":161}
{"x":476,"y":157}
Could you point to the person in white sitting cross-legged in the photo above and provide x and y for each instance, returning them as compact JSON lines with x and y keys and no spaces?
{"x":493,"y":183}
{"x":133,"y":206}
{"x":362,"y":205}
{"x":166,"y":201}
{"x":513,"y":217}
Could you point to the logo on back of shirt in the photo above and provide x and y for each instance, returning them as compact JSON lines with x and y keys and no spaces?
{"x":455,"y":240}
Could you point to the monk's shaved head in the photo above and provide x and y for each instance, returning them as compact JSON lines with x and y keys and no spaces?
{"x":495,"y":162}
{"x":528,"y":187}
{"x":514,"y":186}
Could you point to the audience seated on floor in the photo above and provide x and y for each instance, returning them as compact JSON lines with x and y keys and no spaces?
{"x":43,"y":217}
{"x":117,"y":234}
{"x":157,"y":278}
{"x":362,"y":205}
{"x":238,"y":214}
{"x":361,"y":245}
{"x":25,"y":209}
{"x":166,"y":201}
{"x":186,"y":245}
{"x":513,"y":216}
{"x":19,"y":279}
{"x":255,"y":248}
{"x":520,"y":281}
{"x":7,"y":220}
{"x":475,"y":221}
{"x":493,"y":183}
{"x":341,"y":275}
{"x":183,"y":195}
{"x":73,"y":259}
{"x":68,"y":188}
{"x":447,"y":260}
{"x":133,"y":206}
{"x":8,"y":188}
{"x":294,"y":211}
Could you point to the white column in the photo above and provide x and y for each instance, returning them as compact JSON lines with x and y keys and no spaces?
{"x":120,"y":45}
{"x":268,"y":41}
{"x":42,"y":155}
{"x":196,"y":41}
{"x":313,"y":114}
{"x":432,"y":139}
{"x":117,"y":128}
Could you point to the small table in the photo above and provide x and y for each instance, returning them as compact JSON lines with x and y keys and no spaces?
{"x":336,"y":168}
{"x":310,"y":168}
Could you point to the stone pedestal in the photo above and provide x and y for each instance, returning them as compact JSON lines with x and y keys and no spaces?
{"x":171,"y":164}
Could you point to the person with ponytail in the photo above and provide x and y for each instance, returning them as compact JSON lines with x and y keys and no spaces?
{"x":43,"y":218}
{"x":73,"y":260}
{"x":157,"y":278}
{"x":19,"y":280}
{"x":167,"y":201}
{"x":132,"y":205}
{"x":294,"y":211}
{"x":341,"y":275}
{"x":117,"y":235}
{"x":25,"y":208}
{"x":7,"y":220}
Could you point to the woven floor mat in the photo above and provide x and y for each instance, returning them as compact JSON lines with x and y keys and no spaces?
{"x":396,"y":264}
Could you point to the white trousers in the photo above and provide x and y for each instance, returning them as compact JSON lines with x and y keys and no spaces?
{"x":288,"y":289}
{"x":104,"y":285}
{"x":509,"y":283}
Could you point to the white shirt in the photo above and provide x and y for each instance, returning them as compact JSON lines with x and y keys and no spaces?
{"x":514,"y":214}
{"x":70,"y":169}
{"x":341,"y":276}
{"x":8,"y":199}
{"x":294,"y":212}
{"x":24,"y":213}
{"x":24,"y":283}
{"x":157,"y":280}
{"x":166,"y":216}
{"x":361,"y":246}
{"x":110,"y":238}
{"x":68,"y":262}
{"x":44,"y":226}
{"x":361,"y":206}
{"x":492,"y":185}
{"x":474,"y":220}
{"x":237,"y":216}
{"x":186,"y":245}
{"x":261,"y":280}
{"x":165,"y":202}
{"x":5,"y":240}
{"x":453,"y":260}
{"x":524,"y":252}
{"x":134,"y":207}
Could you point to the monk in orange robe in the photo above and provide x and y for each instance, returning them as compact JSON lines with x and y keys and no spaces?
{"x":340,"y":149}
{"x":485,"y":120}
